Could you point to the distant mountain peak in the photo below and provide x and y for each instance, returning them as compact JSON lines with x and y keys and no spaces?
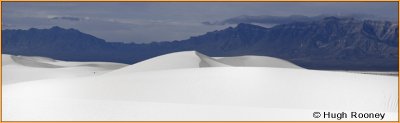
{"x":328,"y":43}
{"x":339,"y":19}
{"x":59,"y":29}
{"x":56,"y":28}
{"x":332,"y":18}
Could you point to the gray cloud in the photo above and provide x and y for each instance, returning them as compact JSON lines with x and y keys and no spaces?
{"x":274,"y":20}
{"x":7,"y":25}
{"x":68,"y":18}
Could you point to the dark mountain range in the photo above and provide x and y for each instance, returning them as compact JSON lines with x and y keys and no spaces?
{"x":330,"y":43}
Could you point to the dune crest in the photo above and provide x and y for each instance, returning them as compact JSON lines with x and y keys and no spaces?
{"x":257,"y":61}
{"x":28,"y":68}
{"x":178,"y":60}
{"x":193,"y":59}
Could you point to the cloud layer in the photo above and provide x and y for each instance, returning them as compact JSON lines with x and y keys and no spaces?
{"x":274,"y":20}
{"x":68,"y":18}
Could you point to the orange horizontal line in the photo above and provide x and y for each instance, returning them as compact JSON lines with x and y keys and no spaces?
{"x":200,"y":1}
{"x":199,"y":121}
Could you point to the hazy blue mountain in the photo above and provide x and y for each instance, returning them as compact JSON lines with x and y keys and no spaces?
{"x":329,"y":43}
{"x":56,"y":42}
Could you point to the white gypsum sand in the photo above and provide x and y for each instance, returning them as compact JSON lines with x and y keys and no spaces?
{"x":179,"y":60}
{"x":256,"y":61}
{"x":22,"y":68}
{"x":188,"y":86}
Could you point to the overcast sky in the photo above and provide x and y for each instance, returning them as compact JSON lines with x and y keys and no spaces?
{"x":167,"y":21}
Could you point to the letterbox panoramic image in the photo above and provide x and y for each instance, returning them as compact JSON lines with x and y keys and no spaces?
{"x":200,"y":61}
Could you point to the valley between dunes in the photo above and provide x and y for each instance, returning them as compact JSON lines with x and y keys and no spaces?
{"x":187,"y":86}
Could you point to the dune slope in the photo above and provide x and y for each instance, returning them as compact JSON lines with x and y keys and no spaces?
{"x":188,"y":86}
{"x":24,"y":68}
{"x":179,"y":60}
{"x":257,"y":61}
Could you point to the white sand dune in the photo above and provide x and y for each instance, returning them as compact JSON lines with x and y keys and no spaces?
{"x":257,"y":61}
{"x":24,"y":68}
{"x":193,"y":59}
{"x":6,"y":60}
{"x":43,"y":62}
{"x":187,"y":86}
{"x":264,"y":88}
{"x":179,"y":60}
